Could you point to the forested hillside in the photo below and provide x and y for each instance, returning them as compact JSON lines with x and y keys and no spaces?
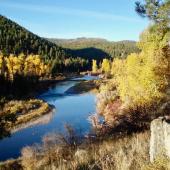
{"x":96,"y":48}
{"x":16,"y":39}
{"x":62,"y":55}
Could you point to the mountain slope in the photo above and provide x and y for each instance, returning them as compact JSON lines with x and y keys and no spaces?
{"x":96,"y":47}
{"x":16,"y":39}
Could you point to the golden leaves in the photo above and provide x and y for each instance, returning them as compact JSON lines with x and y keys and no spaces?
{"x":30,"y":65}
{"x":94,"y":66}
{"x":142,"y":78}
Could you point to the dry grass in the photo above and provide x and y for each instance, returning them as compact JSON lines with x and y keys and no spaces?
{"x":160,"y":163}
{"x":18,"y":112}
{"x":37,"y":111}
{"x":11,"y":165}
{"x":129,"y":153}
{"x":23,"y":111}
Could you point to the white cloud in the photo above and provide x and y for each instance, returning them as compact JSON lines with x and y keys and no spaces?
{"x":71,"y":35}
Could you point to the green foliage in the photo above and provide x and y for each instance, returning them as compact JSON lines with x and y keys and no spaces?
{"x":15,"y":39}
{"x":157,"y":10}
{"x":69,"y":65}
{"x":98,"y":49}
{"x":76,"y":64}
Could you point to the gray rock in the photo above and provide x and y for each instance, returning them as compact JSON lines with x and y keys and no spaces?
{"x":160,"y":138}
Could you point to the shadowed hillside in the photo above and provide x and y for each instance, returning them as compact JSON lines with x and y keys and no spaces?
{"x":96,"y":47}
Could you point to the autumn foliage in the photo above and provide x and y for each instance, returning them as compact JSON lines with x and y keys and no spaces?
{"x":20,"y":74}
{"x":143,"y":78}
{"x":94,"y":66}
{"x":105,"y":66}
{"x":12,"y":66}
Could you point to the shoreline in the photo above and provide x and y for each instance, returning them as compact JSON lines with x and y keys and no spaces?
{"x":83,"y":87}
{"x":45,"y":84}
{"x":31,"y":118}
{"x":37,"y":106}
{"x":20,"y":113}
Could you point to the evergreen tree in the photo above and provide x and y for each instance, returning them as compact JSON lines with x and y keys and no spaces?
{"x":155,"y":10}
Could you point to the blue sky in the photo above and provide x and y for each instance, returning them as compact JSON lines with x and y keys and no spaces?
{"x":111,"y":19}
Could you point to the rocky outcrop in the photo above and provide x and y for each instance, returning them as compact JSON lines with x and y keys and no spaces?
{"x":160,"y":138}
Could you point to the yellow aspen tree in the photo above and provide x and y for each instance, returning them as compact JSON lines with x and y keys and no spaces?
{"x":106,"y":66}
{"x":1,"y":64}
{"x":10,"y":66}
{"x":30,"y":65}
{"x":94,"y":66}
{"x":144,"y":77}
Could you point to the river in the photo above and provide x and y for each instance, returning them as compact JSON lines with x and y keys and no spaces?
{"x":72,"y":109}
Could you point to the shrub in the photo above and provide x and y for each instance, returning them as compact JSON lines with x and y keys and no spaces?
{"x":143,"y":78}
{"x":128,"y":153}
{"x":158,"y":164}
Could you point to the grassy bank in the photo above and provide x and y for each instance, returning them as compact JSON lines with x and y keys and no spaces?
{"x":16,"y":112}
{"x":130,"y":152}
{"x":35,"y":108}
{"x":126,"y":153}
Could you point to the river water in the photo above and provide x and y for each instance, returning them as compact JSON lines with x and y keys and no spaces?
{"x":72,"y":109}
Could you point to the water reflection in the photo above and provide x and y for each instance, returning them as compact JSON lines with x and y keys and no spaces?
{"x":45,"y":119}
{"x":70,"y":109}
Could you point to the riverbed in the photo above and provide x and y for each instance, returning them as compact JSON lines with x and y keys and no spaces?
{"x":73,"y":109}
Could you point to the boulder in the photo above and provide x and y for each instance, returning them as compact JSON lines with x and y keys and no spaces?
{"x":160,"y":138}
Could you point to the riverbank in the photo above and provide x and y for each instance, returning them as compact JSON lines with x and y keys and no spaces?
{"x":128,"y":152}
{"x":31,"y":90}
{"x":44,"y":84}
{"x":101,"y":154}
{"x":14,"y":113}
{"x":51,"y":122}
{"x":84,"y":87}
{"x":88,"y":152}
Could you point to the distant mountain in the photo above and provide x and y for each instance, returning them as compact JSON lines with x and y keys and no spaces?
{"x":77,"y":40}
{"x":16,"y":39}
{"x":94,"y":48}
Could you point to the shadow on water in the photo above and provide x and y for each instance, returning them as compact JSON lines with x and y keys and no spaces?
{"x":4,"y":120}
{"x":4,"y":132}
{"x":55,"y":95}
